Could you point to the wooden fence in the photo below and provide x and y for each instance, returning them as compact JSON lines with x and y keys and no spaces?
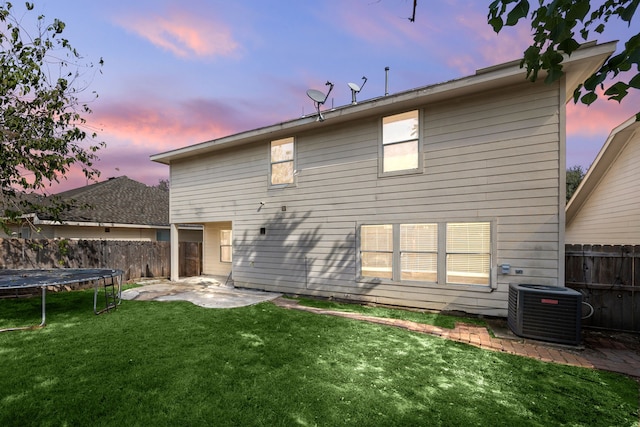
{"x":136,"y":259}
{"x":609,"y":279}
{"x":607,"y":276}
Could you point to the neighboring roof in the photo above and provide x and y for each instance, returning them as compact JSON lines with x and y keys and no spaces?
{"x":580,"y":65}
{"x":615,"y":143}
{"x":116,"y":201}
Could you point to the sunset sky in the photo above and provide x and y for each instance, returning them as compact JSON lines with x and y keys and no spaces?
{"x":181,"y":72}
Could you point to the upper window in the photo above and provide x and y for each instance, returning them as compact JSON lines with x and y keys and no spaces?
{"x":282,"y":161}
{"x":400,"y":142}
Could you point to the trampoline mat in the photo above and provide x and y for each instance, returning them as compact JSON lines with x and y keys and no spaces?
{"x":43,"y":278}
{"x":17,"y":279}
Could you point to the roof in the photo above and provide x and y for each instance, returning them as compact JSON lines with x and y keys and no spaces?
{"x":116,"y":201}
{"x":613,"y":146}
{"x":580,"y":65}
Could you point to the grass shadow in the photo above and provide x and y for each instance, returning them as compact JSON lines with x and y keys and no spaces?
{"x":419,"y":316}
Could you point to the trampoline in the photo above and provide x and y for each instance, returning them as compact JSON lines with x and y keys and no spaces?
{"x":43,"y":278}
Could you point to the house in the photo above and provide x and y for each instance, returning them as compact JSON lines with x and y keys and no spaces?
{"x":438,"y":197}
{"x":115,"y":209}
{"x":605,"y":209}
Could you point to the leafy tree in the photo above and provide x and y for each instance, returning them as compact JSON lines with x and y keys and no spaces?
{"x":163,"y":184}
{"x":555,"y":26}
{"x":41,"y":116}
{"x":574,"y":178}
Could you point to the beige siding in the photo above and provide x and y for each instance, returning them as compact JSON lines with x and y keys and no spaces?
{"x":493,"y":157}
{"x":96,"y":233}
{"x":611,"y":214}
{"x":101,"y":233}
{"x":211,"y":247}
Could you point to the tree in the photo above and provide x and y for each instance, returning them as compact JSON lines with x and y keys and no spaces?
{"x":574,"y":178}
{"x":163,"y":184}
{"x":41,"y":116}
{"x":555,"y":25}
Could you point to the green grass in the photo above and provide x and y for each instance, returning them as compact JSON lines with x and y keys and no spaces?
{"x":425,"y":317}
{"x":167,"y":364}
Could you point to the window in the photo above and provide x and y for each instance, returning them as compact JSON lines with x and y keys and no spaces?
{"x":225,"y":246}
{"x":163,"y":235}
{"x":419,"y":252}
{"x":282,"y":161}
{"x":377,"y":250}
{"x":468,"y":253}
{"x":451,"y":253}
{"x":400,"y":142}
{"x":25,"y":231}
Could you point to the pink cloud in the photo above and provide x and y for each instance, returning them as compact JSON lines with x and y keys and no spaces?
{"x":601,"y":116}
{"x":164,"y":124}
{"x":73,"y":178}
{"x":479,"y":45}
{"x":492,"y":48}
{"x":185,"y":35}
{"x":133,"y":131}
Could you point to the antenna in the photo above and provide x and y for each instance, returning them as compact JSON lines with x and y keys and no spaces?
{"x":386,"y":81}
{"x":319,"y":98}
{"x":355,"y":89}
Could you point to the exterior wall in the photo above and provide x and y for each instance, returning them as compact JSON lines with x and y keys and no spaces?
{"x":611,"y":214}
{"x":497,"y":156}
{"x":211,"y":263}
{"x":93,"y":233}
{"x":114,"y":233}
{"x":25,"y":231}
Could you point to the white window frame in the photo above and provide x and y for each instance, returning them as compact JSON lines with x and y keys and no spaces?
{"x":417,"y":251}
{"x":470,"y":250}
{"x":441,"y":256}
{"x":230,"y":245}
{"x":379,"y":252}
{"x":418,"y":139}
{"x":280,"y":162}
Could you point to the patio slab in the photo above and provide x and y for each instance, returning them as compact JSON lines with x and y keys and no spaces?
{"x":207,"y":292}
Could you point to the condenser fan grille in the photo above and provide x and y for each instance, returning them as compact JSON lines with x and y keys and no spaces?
{"x":545,"y":312}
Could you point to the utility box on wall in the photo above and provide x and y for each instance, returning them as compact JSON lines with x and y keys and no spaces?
{"x":546,"y":313}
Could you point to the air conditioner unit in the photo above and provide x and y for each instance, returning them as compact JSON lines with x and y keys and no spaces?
{"x":546,"y":313}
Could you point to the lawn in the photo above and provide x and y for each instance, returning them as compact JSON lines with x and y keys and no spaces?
{"x":161,"y":364}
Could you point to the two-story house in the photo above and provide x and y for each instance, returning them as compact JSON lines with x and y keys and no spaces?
{"x":437,"y":197}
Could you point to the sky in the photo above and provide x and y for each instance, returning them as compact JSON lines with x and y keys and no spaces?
{"x":180,"y":72}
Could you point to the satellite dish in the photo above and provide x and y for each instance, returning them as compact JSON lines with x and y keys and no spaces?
{"x":355,"y":89}
{"x":316,"y":95}
{"x":319,"y":98}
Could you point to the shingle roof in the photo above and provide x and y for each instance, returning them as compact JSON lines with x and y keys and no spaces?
{"x":117,"y":200}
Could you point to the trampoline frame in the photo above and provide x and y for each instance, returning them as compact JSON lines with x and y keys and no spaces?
{"x":43,"y":278}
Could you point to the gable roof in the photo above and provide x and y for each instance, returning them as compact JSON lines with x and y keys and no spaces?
{"x":613,"y":146}
{"x":581,"y":64}
{"x":115,"y":201}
